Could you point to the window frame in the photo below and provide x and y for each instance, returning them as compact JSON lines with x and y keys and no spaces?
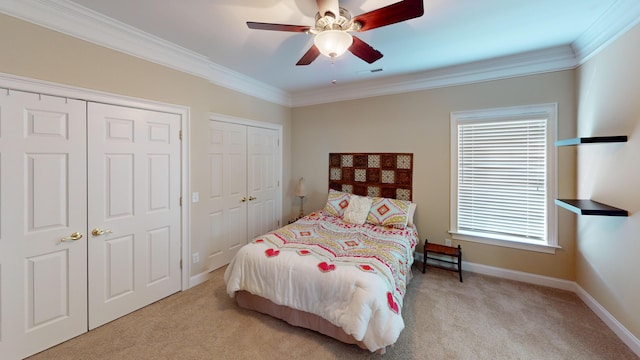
{"x":543,"y":111}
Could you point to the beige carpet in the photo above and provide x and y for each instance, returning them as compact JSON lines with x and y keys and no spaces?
{"x":482,"y":318}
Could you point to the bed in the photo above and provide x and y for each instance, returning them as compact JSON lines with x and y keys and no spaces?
{"x":343,"y":270}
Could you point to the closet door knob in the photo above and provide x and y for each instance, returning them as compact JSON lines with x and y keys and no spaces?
{"x":251,"y":198}
{"x":98,"y":232}
{"x":243,"y":199}
{"x":73,"y":237}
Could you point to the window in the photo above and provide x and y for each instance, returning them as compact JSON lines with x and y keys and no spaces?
{"x":503,"y":176}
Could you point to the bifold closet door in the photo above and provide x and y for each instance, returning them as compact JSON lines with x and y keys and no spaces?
{"x":243,"y":201}
{"x":134,"y":209}
{"x":43,"y":208}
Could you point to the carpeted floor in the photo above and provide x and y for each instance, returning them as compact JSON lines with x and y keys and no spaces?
{"x":482,"y":318}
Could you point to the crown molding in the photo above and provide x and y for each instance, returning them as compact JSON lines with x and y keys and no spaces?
{"x":69,"y":18}
{"x":617,"y":20}
{"x":529,"y":63}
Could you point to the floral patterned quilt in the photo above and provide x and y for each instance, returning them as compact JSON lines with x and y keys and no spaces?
{"x":354,"y":276}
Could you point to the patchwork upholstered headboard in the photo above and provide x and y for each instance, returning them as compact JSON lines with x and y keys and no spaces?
{"x":387,"y":175}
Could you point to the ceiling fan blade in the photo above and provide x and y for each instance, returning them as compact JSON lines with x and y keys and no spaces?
{"x":391,"y":14}
{"x":364,"y":51}
{"x":277,"y":27}
{"x":309,"y":56}
{"x":325,"y":6}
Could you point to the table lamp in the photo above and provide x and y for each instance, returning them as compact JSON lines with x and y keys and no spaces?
{"x":301,"y":192}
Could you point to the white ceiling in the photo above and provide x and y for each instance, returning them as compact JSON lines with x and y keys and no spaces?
{"x":453,"y":37}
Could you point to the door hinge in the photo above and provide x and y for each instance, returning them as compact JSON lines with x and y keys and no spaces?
{"x":278,"y":223}
{"x":180,"y":200}
{"x":180,"y":264}
{"x":180,"y":134}
{"x":278,"y":142}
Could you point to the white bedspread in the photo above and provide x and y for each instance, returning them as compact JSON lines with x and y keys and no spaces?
{"x":339,"y":278}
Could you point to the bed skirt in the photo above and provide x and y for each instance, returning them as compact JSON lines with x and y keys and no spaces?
{"x":295,"y":317}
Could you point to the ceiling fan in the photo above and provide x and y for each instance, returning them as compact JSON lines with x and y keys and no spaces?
{"x":333,"y":24}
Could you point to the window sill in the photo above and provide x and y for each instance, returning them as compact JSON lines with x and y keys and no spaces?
{"x":530,"y":246}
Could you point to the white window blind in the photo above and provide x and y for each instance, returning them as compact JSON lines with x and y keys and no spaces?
{"x":502,"y":187}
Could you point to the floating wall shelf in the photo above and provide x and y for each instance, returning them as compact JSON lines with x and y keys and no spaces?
{"x":591,"y":140}
{"x":590,"y":207}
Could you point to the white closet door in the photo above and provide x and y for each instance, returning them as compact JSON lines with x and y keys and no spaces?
{"x":43,"y":281}
{"x":134,"y":209}
{"x":227,"y":202}
{"x":262,"y":187}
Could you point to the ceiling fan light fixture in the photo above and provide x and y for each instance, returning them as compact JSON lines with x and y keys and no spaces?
{"x":333,"y":43}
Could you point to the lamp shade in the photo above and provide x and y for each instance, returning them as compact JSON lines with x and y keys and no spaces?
{"x":333,"y":43}
{"x":301,"y":191}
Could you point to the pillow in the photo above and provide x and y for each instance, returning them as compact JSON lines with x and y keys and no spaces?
{"x":358,"y":210}
{"x":389,"y":212}
{"x":412,"y":211}
{"x":337,"y":202}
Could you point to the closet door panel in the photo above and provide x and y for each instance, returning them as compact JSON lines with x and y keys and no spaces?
{"x":119,"y":267}
{"x":43,"y":263}
{"x":227,"y":201}
{"x":216,"y":193}
{"x":263,"y":184}
{"x":134,"y":209}
{"x":47,"y":176}
{"x":236,"y":217}
{"x":119,"y":185}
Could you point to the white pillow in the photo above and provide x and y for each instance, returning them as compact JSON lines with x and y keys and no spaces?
{"x":412,"y":211}
{"x":358,"y":209}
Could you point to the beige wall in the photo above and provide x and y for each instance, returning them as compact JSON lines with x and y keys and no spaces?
{"x":608,"y":91}
{"x":35,"y":52}
{"x":419,"y":122}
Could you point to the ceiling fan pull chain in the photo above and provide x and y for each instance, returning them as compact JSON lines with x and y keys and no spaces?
{"x":333,"y":72}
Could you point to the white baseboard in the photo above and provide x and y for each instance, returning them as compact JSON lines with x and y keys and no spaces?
{"x":198,"y":279}
{"x":625,"y":335}
{"x":520,"y":276}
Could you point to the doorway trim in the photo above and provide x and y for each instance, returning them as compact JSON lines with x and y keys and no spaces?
{"x":14,"y":82}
